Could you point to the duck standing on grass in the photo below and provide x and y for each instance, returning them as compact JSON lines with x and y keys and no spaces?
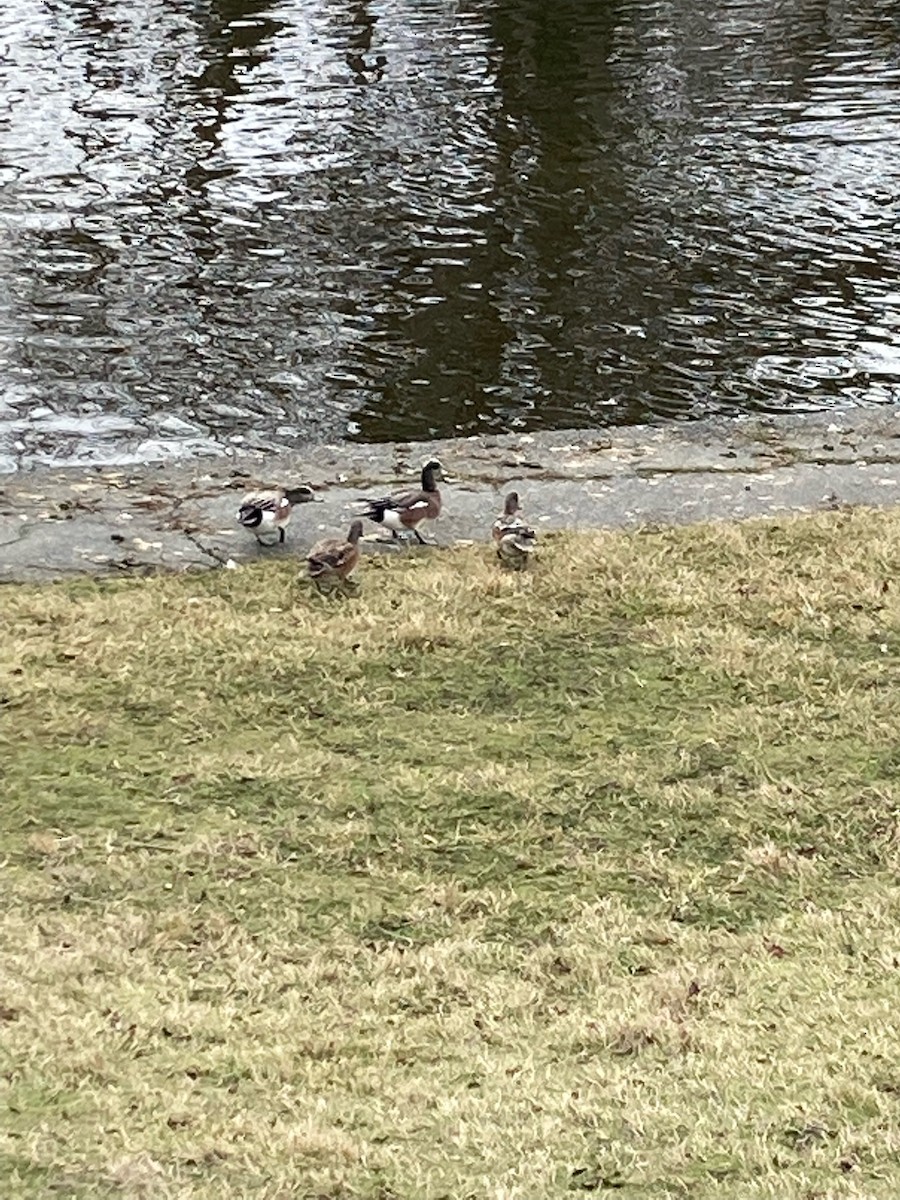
{"x":331,"y":562}
{"x":514,"y":538}
{"x":403,"y":512}
{"x":267,"y":513}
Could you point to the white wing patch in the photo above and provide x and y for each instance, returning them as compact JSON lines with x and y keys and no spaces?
{"x":392,"y":519}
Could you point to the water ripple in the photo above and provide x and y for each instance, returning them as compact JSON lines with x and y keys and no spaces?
{"x":261,"y":222}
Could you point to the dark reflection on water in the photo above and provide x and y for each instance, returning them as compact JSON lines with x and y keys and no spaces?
{"x":244,"y":219}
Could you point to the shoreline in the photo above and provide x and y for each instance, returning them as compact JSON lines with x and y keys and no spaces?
{"x":173,"y":516}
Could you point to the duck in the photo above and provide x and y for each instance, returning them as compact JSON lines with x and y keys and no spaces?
{"x":513,"y":536}
{"x":267,"y":513}
{"x":331,"y":561}
{"x":403,"y":512}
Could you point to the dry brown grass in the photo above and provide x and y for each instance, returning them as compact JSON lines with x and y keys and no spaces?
{"x":474,"y":885}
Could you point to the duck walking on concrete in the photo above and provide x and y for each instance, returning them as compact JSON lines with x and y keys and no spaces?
{"x":267,"y":513}
{"x":403,"y":512}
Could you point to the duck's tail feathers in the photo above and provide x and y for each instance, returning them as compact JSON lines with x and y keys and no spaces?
{"x":375,"y":509}
{"x":249,"y":515}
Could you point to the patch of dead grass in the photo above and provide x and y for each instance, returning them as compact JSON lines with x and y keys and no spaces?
{"x":474,"y":885}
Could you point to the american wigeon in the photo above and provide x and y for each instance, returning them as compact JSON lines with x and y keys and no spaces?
{"x":404,"y":511}
{"x":514,"y":538}
{"x":267,"y":513}
{"x":331,"y":561}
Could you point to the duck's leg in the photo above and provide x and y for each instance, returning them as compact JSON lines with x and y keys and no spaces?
{"x":422,"y":541}
{"x":281,"y":536}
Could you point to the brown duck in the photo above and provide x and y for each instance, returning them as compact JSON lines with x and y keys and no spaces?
{"x":513,"y":536}
{"x":403,"y":512}
{"x":331,"y":561}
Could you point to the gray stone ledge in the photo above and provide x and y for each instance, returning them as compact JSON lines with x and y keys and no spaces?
{"x":179,"y":516}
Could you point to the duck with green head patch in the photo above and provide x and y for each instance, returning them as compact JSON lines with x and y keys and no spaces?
{"x":266,"y":513}
{"x":403,"y":512}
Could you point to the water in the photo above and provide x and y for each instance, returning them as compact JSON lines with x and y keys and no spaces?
{"x":262,"y":223}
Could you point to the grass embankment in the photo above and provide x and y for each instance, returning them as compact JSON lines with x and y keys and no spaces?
{"x":475,"y":885}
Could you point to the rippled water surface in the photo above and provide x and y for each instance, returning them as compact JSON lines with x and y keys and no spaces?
{"x":263,"y":223}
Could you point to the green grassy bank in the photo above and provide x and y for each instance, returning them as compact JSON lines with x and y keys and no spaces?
{"x":475,"y":885}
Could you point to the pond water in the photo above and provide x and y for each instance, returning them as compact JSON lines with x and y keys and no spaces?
{"x":266,"y":223}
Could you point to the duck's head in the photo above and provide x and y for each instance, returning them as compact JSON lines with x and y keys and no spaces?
{"x":355,"y":532}
{"x":432,"y":472}
{"x":511,"y":504}
{"x":300,"y":495}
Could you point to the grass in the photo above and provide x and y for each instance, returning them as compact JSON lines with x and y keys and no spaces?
{"x":477,"y":885}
